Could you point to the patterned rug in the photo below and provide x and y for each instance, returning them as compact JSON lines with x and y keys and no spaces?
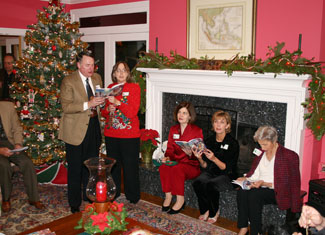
{"x":23,"y":216}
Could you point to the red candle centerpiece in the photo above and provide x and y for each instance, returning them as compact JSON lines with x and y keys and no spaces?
{"x":101,"y":191}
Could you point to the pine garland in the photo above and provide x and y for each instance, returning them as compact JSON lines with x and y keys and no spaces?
{"x":276,"y":62}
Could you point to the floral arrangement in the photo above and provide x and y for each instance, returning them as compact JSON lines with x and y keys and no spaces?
{"x":148,"y":141}
{"x":103,"y":223}
{"x":277,"y":62}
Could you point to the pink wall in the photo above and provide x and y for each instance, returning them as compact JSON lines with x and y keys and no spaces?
{"x":277,"y":20}
{"x":19,"y":14}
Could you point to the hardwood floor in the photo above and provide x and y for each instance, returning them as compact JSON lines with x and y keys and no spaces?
{"x":221,"y":222}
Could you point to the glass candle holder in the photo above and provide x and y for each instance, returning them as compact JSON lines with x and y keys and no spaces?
{"x":101,"y":187}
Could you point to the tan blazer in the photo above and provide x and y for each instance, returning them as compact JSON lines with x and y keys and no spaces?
{"x":11,"y":123}
{"x":74,"y":120}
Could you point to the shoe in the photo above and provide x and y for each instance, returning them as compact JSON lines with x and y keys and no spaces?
{"x":213,"y":219}
{"x":172,"y":211}
{"x":75,"y":210}
{"x":165,"y":208}
{"x":37,"y":204}
{"x":204,"y":217}
{"x":134,"y":201}
{"x":6,"y":206}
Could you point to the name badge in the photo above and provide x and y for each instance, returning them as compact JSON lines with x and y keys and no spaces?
{"x":176,"y":136}
{"x":125,"y":93}
{"x":257,"y":152}
{"x":224,"y":146}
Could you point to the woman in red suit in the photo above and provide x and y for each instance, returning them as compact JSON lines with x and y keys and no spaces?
{"x":122,"y":134}
{"x":173,"y":177}
{"x":275,"y":179}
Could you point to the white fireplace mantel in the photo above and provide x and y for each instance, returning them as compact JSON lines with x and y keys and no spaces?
{"x":285,"y":88}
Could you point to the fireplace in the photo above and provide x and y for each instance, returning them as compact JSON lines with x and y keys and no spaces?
{"x":253,"y":99}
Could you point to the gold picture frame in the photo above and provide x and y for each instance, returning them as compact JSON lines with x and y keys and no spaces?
{"x":220,"y":29}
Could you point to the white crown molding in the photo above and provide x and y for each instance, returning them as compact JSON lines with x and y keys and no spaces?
{"x":73,"y":1}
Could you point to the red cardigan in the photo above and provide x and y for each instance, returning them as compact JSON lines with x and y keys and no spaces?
{"x":126,"y":122}
{"x":174,"y":151}
{"x":286,"y":178}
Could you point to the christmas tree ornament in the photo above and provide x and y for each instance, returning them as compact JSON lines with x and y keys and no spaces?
{"x":42,"y":79}
{"x":31,"y":96}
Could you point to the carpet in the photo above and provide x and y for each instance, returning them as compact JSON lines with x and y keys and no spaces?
{"x":23,"y":216}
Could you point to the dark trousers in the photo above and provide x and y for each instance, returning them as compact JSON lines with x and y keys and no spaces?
{"x":207,"y":188}
{"x":78,"y":173}
{"x":126,"y":153}
{"x":250,"y":204}
{"x":27,"y":168}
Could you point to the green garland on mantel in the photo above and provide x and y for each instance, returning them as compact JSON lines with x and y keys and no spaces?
{"x":276,"y":62}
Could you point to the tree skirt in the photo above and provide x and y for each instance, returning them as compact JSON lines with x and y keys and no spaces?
{"x":53,"y":174}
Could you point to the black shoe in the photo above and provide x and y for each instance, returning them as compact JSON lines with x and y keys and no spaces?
{"x":75,"y":209}
{"x":165,"y":208}
{"x":134,"y":201}
{"x":172,"y":211}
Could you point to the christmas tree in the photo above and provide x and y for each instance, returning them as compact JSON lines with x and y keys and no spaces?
{"x":51,"y":48}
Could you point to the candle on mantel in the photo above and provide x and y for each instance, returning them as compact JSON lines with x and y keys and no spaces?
{"x":299,"y":42}
{"x":101,"y":191}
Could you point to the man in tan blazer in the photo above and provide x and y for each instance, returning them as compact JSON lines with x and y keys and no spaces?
{"x":11,"y":137}
{"x":79,"y":125}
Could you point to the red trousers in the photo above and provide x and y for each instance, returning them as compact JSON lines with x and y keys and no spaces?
{"x":172,"y":178}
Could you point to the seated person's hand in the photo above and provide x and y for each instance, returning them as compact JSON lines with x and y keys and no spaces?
{"x":197,"y":153}
{"x":5,"y":152}
{"x":209,"y":154}
{"x":241,"y":179}
{"x":256,"y":184}
{"x":165,"y":159}
{"x":187,"y":151}
{"x":312,"y":218}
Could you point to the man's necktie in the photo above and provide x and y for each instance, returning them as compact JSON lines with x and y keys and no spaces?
{"x":89,"y":90}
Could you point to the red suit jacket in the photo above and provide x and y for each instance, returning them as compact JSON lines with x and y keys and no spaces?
{"x":174,"y":151}
{"x":286,"y":178}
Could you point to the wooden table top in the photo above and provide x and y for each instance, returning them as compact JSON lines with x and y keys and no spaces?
{"x":65,"y":226}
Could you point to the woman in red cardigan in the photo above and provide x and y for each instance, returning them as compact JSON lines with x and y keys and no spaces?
{"x":275,"y":179}
{"x":173,"y":177}
{"x":122,"y":134}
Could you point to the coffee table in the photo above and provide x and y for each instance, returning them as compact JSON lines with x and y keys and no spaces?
{"x":65,"y":226}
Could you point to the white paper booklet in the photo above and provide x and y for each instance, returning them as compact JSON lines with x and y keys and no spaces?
{"x":197,"y":142}
{"x":244,"y":184}
{"x":18,"y":150}
{"x":113,"y":91}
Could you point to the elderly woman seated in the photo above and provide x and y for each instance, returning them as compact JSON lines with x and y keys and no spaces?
{"x":273,"y":179}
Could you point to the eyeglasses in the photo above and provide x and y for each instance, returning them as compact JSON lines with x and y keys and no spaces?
{"x":121,"y":71}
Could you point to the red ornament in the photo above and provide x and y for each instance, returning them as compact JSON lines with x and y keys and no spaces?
{"x":316,"y":81}
{"x":318,"y":127}
{"x":54,"y":2}
{"x":47,"y":15}
{"x":288,"y":63}
{"x":14,"y":71}
{"x":53,"y":48}
{"x":46,"y":103}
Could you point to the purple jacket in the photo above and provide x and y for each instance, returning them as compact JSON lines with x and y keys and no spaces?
{"x":286,"y":178}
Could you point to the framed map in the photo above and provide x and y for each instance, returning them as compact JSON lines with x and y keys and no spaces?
{"x":220,"y":29}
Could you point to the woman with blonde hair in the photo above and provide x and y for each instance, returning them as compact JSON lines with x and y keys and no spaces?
{"x":218,"y":161}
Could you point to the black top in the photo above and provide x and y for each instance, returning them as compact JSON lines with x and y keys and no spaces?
{"x":226,"y":151}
